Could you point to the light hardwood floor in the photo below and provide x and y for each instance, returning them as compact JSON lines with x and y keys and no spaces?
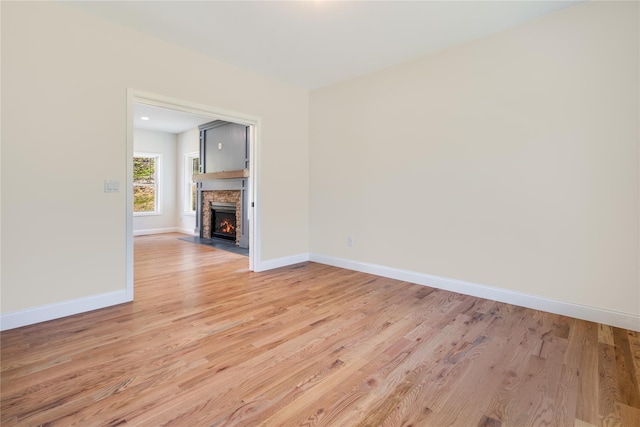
{"x":209,"y":343}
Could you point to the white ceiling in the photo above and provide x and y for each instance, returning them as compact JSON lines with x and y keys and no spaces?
{"x":311,"y":44}
{"x":166,"y":120}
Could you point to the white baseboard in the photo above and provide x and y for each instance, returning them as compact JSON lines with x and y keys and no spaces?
{"x":187,"y":231}
{"x":148,"y":231}
{"x":280,"y":262}
{"x":565,"y":308}
{"x":43,"y":313}
{"x":594,"y":314}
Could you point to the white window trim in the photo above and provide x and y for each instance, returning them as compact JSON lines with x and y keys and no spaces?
{"x":158,"y":157}
{"x":187,"y":181}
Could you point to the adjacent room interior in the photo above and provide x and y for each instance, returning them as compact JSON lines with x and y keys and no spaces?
{"x":191,"y":176}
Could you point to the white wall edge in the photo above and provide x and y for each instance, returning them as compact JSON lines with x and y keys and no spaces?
{"x":584,"y":312}
{"x":44,"y":313}
{"x":280,"y":262}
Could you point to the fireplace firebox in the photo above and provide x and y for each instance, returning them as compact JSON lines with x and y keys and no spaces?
{"x":223,"y":220}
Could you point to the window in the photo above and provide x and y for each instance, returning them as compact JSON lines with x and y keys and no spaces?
{"x":191,"y":167}
{"x":146,"y":177}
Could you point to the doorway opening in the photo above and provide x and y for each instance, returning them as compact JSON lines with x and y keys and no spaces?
{"x":172,"y":106}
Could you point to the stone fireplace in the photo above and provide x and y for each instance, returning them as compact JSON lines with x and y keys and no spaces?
{"x":222,"y":214}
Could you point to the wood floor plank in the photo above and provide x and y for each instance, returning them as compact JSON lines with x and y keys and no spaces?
{"x":208,"y":342}
{"x":605,"y":334}
{"x":630,"y":416}
{"x":589,"y":385}
{"x":566,"y":399}
{"x":634,"y":346}
{"x":608,"y":391}
{"x":625,"y":370}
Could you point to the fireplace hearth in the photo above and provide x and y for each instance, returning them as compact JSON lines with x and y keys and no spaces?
{"x":223,"y":220}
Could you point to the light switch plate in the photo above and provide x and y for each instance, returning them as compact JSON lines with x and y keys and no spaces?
{"x":111,"y":186}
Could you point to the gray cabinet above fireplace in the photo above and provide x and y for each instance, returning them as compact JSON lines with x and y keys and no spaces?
{"x":224,"y":147}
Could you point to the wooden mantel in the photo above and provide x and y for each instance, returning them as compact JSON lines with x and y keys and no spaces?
{"x":242,"y":173}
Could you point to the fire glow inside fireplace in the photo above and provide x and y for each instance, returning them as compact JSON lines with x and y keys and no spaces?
{"x":223,"y":220}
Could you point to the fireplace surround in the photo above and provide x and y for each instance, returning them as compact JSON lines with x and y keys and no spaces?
{"x":227,"y":204}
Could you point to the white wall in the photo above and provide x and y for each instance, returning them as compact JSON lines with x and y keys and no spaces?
{"x":65,"y":77}
{"x":188,"y":142}
{"x":510,"y":161}
{"x":165,"y":144}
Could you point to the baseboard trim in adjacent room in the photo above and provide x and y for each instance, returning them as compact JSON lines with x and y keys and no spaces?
{"x":47,"y":312}
{"x":280,"y":262}
{"x":145,"y":232}
{"x":186,"y":231}
{"x":584,"y":312}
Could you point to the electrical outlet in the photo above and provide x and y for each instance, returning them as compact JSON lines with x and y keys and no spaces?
{"x":349,"y":241}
